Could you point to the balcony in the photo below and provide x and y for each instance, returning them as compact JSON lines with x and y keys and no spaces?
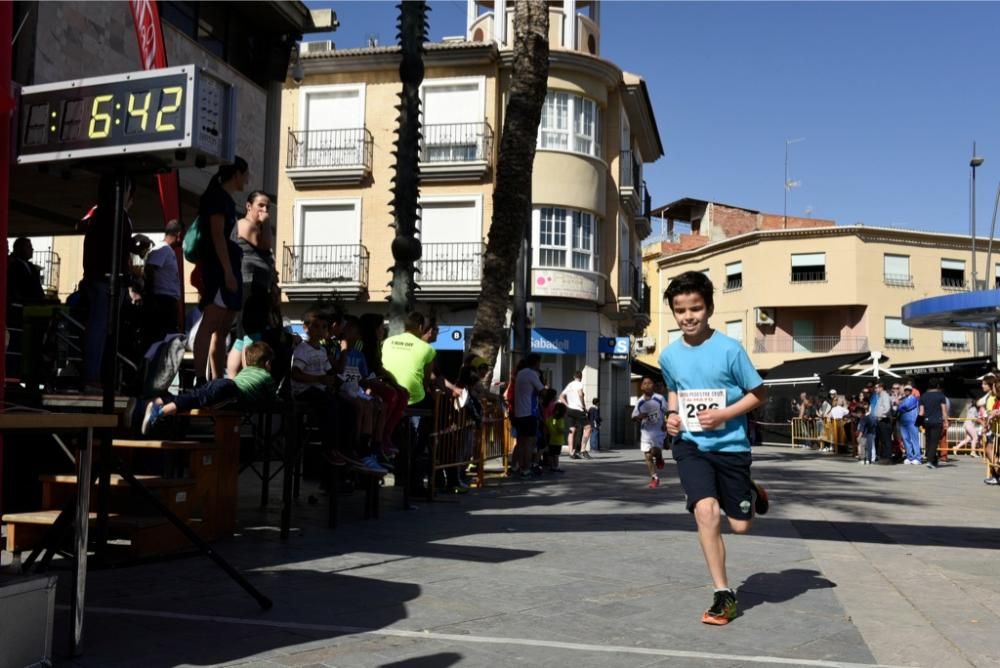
{"x":954,"y":283}
{"x":898,"y":280}
{"x":329,"y":157}
{"x":810,"y":344}
{"x":630,"y":182}
{"x":643,"y":223}
{"x":48,"y":262}
{"x":313,"y":271}
{"x":456,"y":151}
{"x":451,"y":270}
{"x":812,"y":276}
{"x":630,"y":289}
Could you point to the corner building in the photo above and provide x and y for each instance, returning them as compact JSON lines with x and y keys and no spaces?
{"x":591,"y":205}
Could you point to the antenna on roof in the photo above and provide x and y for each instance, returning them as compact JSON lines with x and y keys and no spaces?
{"x":372,"y":40}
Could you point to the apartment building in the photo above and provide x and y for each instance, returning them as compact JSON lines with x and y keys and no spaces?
{"x":591,"y":207}
{"x":795,"y":292}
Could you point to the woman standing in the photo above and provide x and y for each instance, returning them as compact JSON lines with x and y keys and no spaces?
{"x":255,"y":241}
{"x":221,"y":296}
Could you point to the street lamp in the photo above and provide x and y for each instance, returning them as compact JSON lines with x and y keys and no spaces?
{"x":789,"y":184}
{"x":976,"y":161}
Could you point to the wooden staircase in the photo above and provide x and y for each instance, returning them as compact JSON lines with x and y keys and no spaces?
{"x":187,"y":482}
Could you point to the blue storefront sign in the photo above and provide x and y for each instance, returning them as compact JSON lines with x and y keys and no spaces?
{"x":558,"y":342}
{"x":451,"y":337}
{"x":614,"y":347}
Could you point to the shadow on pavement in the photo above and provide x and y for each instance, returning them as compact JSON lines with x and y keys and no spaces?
{"x":442,"y":660}
{"x":779,"y":587}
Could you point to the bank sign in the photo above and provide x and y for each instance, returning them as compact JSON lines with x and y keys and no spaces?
{"x":558,"y":342}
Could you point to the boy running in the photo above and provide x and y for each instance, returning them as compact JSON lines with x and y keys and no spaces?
{"x":650,"y":412}
{"x":713,"y":386}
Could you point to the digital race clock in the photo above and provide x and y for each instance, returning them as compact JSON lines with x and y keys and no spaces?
{"x":178,"y":115}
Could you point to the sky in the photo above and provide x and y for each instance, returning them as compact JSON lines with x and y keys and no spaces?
{"x":888,"y":97}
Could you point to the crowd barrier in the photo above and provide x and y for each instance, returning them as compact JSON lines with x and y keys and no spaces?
{"x":833,"y":435}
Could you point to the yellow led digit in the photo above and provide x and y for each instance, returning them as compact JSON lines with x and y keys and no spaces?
{"x":99,"y":117}
{"x":177,"y":92}
{"x":142,"y":112}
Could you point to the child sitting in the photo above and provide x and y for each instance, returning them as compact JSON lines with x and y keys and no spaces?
{"x":352,"y":369}
{"x":252,"y":387}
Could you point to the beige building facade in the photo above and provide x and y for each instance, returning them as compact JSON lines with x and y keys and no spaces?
{"x":591,"y":208}
{"x":794,"y":293}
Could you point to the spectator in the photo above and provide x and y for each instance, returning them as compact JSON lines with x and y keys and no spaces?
{"x":253,"y":387}
{"x":867,"y":428}
{"x":528,"y":384}
{"x":990,"y":409}
{"x":880,"y":409}
{"x":161,"y":305}
{"x":353,"y":372}
{"x":394,"y":397}
{"x":594,"y":418}
{"x":576,"y":414}
{"x":257,"y":267}
{"x":827,"y":405}
{"x":220,"y":265}
{"x":907,"y":412}
{"x":972,"y":427}
{"x":99,"y":226}
{"x":934,"y":409}
{"x":24,"y":279}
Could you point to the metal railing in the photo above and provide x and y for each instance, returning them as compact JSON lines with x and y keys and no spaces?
{"x":808,"y":276}
{"x":630,"y":282}
{"x":629,"y":171}
{"x":48,"y":262}
{"x":452,"y":262}
{"x":644,"y":303}
{"x":810,"y":344}
{"x":954,"y":346}
{"x":899,"y":280}
{"x":350,"y":147}
{"x":647,"y":201}
{"x":899,"y":344}
{"x":457,"y":142}
{"x":733,"y":283}
{"x":949,"y":283}
{"x":326,"y":264}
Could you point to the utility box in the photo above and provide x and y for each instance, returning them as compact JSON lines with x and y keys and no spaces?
{"x":28,"y":605}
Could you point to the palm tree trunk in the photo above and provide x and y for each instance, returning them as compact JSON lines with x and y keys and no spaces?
{"x":406,"y":249}
{"x":512,"y":194}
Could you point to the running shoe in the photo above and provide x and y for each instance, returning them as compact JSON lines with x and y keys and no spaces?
{"x":370,"y":465}
{"x":659,"y":463}
{"x":154,"y":413}
{"x":585,"y":455}
{"x":654,"y":483}
{"x":760,"y":502}
{"x":723,"y":609}
{"x":992,"y":481}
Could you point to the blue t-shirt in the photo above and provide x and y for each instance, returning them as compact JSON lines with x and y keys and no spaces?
{"x":355,"y":370}
{"x":701,"y":376}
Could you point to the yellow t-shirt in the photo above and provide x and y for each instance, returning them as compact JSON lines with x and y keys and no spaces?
{"x":405,"y":356}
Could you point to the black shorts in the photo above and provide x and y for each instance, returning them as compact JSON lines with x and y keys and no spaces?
{"x":715,"y":475}
{"x":527,"y":426}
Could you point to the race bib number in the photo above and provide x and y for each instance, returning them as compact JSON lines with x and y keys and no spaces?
{"x":693,"y":402}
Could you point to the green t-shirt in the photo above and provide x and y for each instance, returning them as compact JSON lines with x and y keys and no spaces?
{"x":405,"y":356}
{"x":255,"y":385}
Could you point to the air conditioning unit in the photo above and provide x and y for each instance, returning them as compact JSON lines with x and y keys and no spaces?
{"x":764,"y":316}
{"x":645,"y":343}
{"x":317,"y":46}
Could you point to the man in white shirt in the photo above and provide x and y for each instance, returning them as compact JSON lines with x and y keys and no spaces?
{"x":162,"y":286}
{"x":576,"y":413}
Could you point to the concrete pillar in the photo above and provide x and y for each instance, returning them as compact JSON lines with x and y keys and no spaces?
{"x":569,"y":24}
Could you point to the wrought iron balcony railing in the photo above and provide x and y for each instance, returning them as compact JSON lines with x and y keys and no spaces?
{"x":452,"y":263}
{"x":457,"y":142}
{"x":647,"y":201}
{"x":48,"y":262}
{"x":899,"y":280}
{"x":949,"y":283}
{"x":326,"y":264}
{"x":808,"y":276}
{"x":810,"y":344}
{"x":330,"y":148}
{"x":629,"y":171}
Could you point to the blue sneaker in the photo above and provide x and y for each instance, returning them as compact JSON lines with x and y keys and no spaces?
{"x":154,"y":413}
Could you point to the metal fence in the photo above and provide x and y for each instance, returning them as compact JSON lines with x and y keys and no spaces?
{"x":457,"y":142}
{"x":48,"y":262}
{"x":452,"y":262}
{"x":326,"y":264}
{"x":810,"y":344}
{"x":330,"y":148}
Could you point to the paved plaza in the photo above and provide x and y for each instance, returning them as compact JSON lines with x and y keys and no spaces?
{"x":853,"y":566}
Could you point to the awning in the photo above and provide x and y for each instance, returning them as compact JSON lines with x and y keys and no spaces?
{"x":813,"y":366}
{"x":963,"y":310}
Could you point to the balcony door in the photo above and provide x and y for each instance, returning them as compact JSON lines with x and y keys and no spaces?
{"x":329,"y":242}
{"x":454,"y":119}
{"x":451,"y":233}
{"x":803,"y":336}
{"x":333,"y":118}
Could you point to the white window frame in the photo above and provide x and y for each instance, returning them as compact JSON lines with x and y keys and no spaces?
{"x":894,"y":278}
{"x":570,"y":135}
{"x":954,"y":340}
{"x":734,"y":269}
{"x":738,"y":323}
{"x":306,"y":91}
{"x":567,"y":248}
{"x":476,"y":260}
{"x":480,"y":111}
{"x":298,"y":226}
{"x":898,"y":341}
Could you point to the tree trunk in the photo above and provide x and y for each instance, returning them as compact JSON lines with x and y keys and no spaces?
{"x":512,"y":194}
{"x":406,"y":249}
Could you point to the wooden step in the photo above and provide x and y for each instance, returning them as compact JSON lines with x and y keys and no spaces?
{"x":148,"y":481}
{"x":147,"y":535}
{"x":161,"y":445}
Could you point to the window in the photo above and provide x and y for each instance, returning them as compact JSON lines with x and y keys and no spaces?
{"x":453,"y":120}
{"x":996,"y":277}
{"x":897,"y":335}
{"x":734,"y":275}
{"x":896,"y":270}
{"x":808,"y":267}
{"x":332,"y":119}
{"x":954,"y":341}
{"x":566,"y":238}
{"x":328,"y":247}
{"x":734,"y":329}
{"x":953,"y":274}
{"x":565,"y":115}
{"x":673,"y":335}
{"x":451,"y":232}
